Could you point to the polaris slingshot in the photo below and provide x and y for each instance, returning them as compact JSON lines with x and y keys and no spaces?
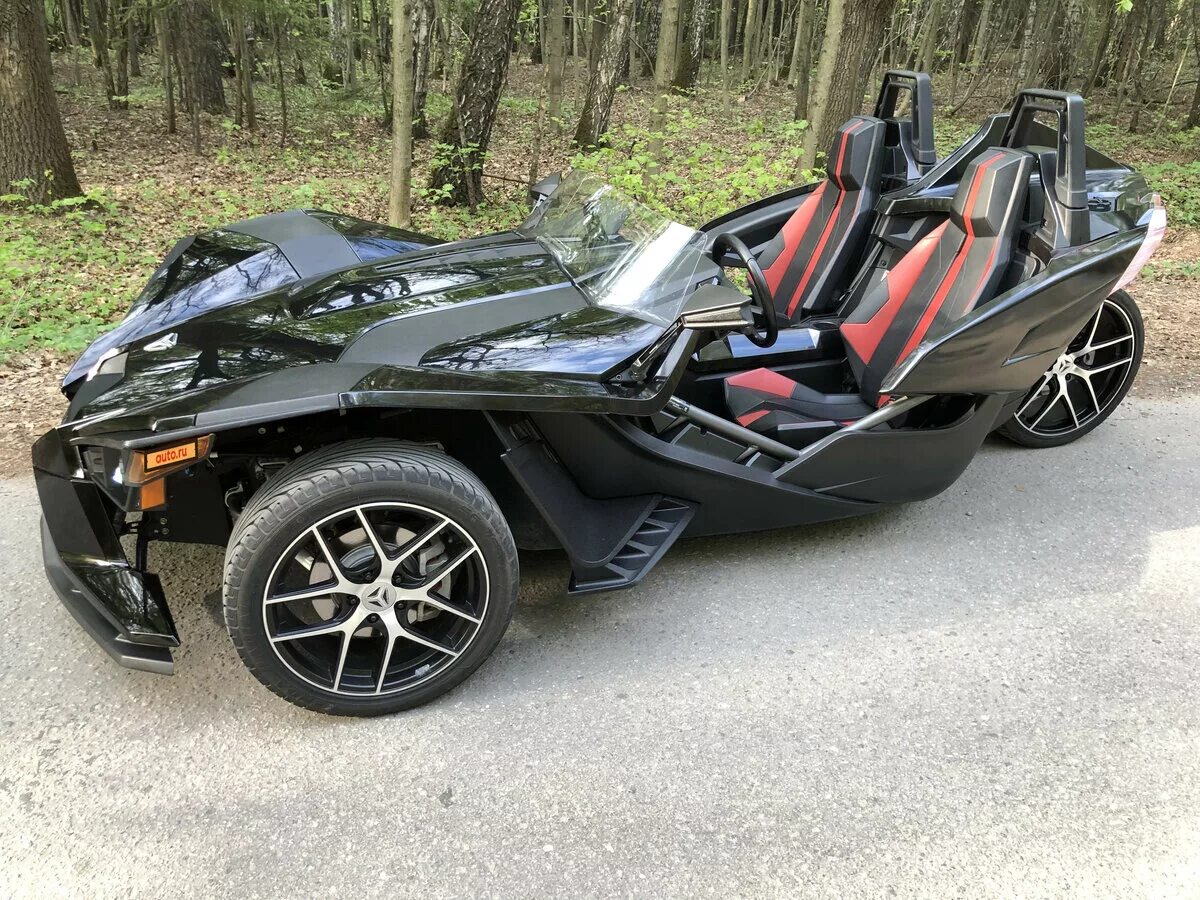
{"x":372,"y":422}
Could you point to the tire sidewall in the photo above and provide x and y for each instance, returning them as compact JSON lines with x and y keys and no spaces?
{"x":257,"y":546}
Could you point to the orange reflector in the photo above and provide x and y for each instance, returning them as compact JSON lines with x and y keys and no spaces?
{"x":153,"y":493}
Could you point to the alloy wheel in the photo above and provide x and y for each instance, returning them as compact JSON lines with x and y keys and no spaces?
{"x":1086,"y":379}
{"x":376,"y":599}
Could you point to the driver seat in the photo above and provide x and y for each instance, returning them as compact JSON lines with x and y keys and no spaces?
{"x":809,"y":261}
{"x":947,"y":274}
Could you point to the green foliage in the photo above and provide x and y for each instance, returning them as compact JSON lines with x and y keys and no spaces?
{"x":697,"y":179}
{"x":1179,"y":184}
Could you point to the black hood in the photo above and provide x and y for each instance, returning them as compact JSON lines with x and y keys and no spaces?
{"x":226,"y":320}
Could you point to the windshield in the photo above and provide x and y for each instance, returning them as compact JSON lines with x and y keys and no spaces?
{"x":623,"y":255}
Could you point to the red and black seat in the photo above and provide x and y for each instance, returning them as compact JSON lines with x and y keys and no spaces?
{"x":808,"y":263}
{"x":943,"y":277}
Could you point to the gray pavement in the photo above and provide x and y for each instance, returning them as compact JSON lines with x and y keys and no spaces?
{"x":991,"y":693}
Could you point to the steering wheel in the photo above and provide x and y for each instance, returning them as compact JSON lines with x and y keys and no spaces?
{"x":760,"y":291}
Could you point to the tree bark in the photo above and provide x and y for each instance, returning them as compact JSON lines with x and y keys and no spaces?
{"x":555,"y":62}
{"x":118,"y":34}
{"x":98,"y":35}
{"x":853,"y":36}
{"x":201,"y":54}
{"x":164,"y":65}
{"x":1110,"y":13}
{"x":801,"y":67}
{"x":726,"y":10}
{"x":692,"y":47}
{"x":423,"y":24}
{"x":1193,"y":119}
{"x":400,"y":200}
{"x":664,"y":69}
{"x":468,"y":129}
{"x":602,"y":85}
{"x":33,"y":145}
{"x":748,"y":37}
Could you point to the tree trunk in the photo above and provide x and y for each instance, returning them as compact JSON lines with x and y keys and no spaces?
{"x":801,"y":68}
{"x":468,"y":128}
{"x":98,"y":34}
{"x":692,"y":47}
{"x":929,"y":35}
{"x":423,"y":24}
{"x":1193,"y":119}
{"x":982,"y":30}
{"x":400,"y":200}
{"x":653,"y":25}
{"x":555,"y":62}
{"x":726,"y":10}
{"x":602,"y":85}
{"x":599,"y":28}
{"x":280,"y":31}
{"x":664,"y":69}
{"x":33,"y":145}
{"x":118,"y":33}
{"x":133,"y":33}
{"x":202,"y":53}
{"x":748,"y":38}
{"x":1110,"y":13}
{"x":164,"y":65}
{"x":853,"y":36}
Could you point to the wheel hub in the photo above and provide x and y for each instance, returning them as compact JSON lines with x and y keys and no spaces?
{"x":379,"y":597}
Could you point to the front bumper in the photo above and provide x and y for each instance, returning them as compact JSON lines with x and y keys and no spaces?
{"x":122,"y":608}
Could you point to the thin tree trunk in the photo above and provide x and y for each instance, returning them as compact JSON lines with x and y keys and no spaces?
{"x":400,"y":200}
{"x":98,"y":33}
{"x":1110,"y":13}
{"x":33,"y":144}
{"x":801,"y":67}
{"x":748,"y":38}
{"x":118,"y":34}
{"x":555,"y":63}
{"x":423,"y":16}
{"x":726,"y":9}
{"x":280,"y":31}
{"x":1193,"y":119}
{"x":664,"y":69}
{"x":133,"y":33}
{"x":164,"y":64}
{"x":602,"y":85}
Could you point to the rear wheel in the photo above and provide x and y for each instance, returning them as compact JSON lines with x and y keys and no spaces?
{"x":1087,"y":382}
{"x":368,"y":578}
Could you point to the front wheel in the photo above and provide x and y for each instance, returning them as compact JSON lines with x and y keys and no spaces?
{"x":1087,"y":382}
{"x":369,"y":577}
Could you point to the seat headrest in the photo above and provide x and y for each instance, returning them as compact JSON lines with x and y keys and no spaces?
{"x":992,"y":191}
{"x":856,"y":155}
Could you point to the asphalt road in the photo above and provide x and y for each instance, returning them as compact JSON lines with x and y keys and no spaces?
{"x":991,"y":693}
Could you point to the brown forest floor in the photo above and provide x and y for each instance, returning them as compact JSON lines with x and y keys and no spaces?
{"x":338,"y":158}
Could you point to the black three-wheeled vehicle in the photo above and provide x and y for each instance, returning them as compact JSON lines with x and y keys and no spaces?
{"x":373,"y":422}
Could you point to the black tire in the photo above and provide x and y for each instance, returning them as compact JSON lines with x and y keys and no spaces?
{"x":348,"y":477}
{"x":1125,"y":312}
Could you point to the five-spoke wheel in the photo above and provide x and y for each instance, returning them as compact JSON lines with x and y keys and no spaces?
{"x":1086,"y":382}
{"x":360,"y":595}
